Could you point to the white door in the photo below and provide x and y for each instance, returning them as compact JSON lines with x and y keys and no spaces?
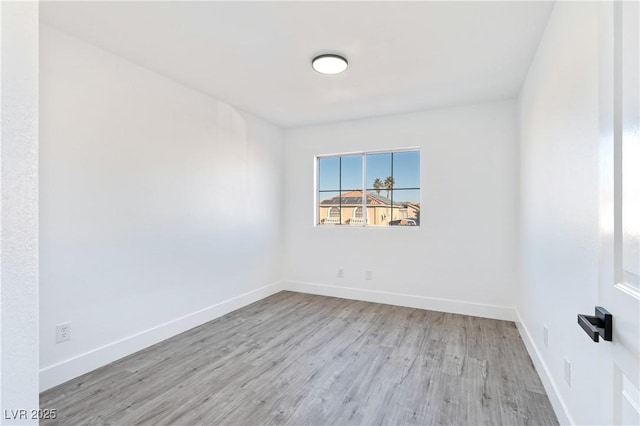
{"x":619,"y":292}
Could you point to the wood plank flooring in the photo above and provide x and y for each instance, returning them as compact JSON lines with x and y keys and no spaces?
{"x":298,"y":359}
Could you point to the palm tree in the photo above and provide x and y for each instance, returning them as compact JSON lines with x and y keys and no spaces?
{"x":377,"y":184}
{"x":388,"y":184}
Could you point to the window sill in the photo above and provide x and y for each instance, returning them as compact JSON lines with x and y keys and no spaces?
{"x":403,"y":228}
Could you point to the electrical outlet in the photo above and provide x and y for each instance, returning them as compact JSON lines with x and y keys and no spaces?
{"x":340,"y":273}
{"x":567,"y":371}
{"x":545,"y":335}
{"x":63,"y":332}
{"x":368,"y":275}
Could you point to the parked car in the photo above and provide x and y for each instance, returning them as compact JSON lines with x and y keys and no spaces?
{"x":403,"y":222}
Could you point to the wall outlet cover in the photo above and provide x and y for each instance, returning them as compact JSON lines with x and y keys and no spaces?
{"x":63,"y":332}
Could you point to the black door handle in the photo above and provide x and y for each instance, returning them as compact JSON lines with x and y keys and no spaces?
{"x":600,"y":324}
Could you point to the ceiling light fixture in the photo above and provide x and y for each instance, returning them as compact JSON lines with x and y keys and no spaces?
{"x":329,"y":64}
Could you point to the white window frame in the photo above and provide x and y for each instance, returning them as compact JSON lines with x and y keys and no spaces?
{"x":316,"y":182}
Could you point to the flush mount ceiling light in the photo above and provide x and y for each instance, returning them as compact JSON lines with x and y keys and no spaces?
{"x":329,"y":64}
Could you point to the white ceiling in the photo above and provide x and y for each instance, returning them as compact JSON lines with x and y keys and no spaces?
{"x":403,"y":56}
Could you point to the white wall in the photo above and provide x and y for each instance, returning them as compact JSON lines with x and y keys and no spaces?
{"x":559,"y":207}
{"x":157,"y":204}
{"x":462,"y":258}
{"x":19,"y":212}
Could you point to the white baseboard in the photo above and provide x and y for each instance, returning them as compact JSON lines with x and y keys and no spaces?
{"x":56,"y":374}
{"x":559,"y":406}
{"x":431,"y":303}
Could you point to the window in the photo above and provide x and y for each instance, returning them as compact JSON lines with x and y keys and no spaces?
{"x":369,"y":189}
{"x":334,"y":216}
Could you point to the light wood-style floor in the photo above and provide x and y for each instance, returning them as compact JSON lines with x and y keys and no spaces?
{"x":301,"y":359}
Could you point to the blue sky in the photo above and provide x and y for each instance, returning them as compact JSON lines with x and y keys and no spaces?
{"x":406,"y":172}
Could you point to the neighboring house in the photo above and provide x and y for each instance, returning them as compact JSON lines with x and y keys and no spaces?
{"x":346,"y":209}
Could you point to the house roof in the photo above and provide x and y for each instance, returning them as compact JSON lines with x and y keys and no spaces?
{"x":354,"y":198}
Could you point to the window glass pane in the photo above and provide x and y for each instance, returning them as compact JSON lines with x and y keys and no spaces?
{"x":329,"y":208}
{"x":406,"y":196}
{"x":392,"y":189}
{"x":351,"y":201}
{"x":406,"y":169}
{"x":329,"y":174}
{"x":345,"y":216}
{"x":406,"y":207}
{"x":378,"y":167}
{"x":378,"y":215}
{"x":351,"y":172}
